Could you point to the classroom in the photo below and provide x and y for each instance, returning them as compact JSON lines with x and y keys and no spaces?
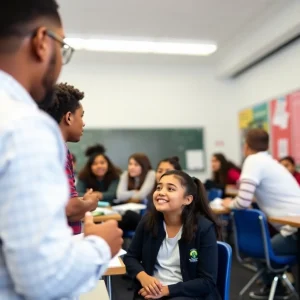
{"x":164,"y":137}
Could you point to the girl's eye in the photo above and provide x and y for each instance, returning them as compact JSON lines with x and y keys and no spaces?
{"x":158,"y":188}
{"x":171,"y":189}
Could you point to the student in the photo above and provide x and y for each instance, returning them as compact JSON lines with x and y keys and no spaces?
{"x":135,"y":186}
{"x":165,"y":165}
{"x":38,"y":257}
{"x":174,"y":251}
{"x":224,"y":171}
{"x":67,"y":111}
{"x":289,"y":163}
{"x":277,"y":194}
{"x":138,"y":181}
{"x":99,"y":174}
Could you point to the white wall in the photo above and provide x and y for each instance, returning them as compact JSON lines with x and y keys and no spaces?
{"x":154,"y":95}
{"x":277,"y":76}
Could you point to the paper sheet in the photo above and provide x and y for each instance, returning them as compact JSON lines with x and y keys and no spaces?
{"x":129,"y":206}
{"x":194,"y":159}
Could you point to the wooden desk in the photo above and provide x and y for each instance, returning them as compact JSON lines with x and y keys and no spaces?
{"x":293,"y":221}
{"x":221,"y":211}
{"x":231,"y":190}
{"x":103,"y":218}
{"x":116,"y":270}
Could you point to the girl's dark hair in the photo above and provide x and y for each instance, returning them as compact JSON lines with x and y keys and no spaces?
{"x":143,"y":160}
{"x":220,"y":176}
{"x":174,"y":161}
{"x":86,"y":173}
{"x":190,"y":213}
{"x":289,"y":159}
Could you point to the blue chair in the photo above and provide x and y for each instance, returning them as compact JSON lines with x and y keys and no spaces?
{"x":224,"y":268}
{"x":213,"y":193}
{"x":252,"y":240}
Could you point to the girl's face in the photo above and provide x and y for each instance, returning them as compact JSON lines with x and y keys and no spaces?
{"x":286,"y":163}
{"x":215,"y":164}
{"x":134,"y":168}
{"x":100,"y":166}
{"x":162,"y":169}
{"x":169,"y":195}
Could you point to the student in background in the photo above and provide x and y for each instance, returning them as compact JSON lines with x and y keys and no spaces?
{"x":224,"y":171}
{"x":167,"y":164}
{"x":174,"y":251}
{"x":67,"y":111}
{"x":99,"y":174}
{"x":289,"y":163}
{"x":135,"y":186}
{"x":277,"y":194}
{"x":39,"y":259}
{"x":138,"y":181}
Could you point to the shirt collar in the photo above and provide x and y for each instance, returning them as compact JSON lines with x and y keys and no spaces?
{"x":15,"y":89}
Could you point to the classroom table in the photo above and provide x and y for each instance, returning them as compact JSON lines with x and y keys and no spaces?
{"x":113,"y":270}
{"x":293,"y":221}
{"x":103,"y":218}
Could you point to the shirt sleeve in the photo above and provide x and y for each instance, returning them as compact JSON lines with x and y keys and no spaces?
{"x":70,"y":175}
{"x":233,"y":176}
{"x":123,"y":194}
{"x":42,"y":259}
{"x":252,"y":169}
{"x":147,"y":186}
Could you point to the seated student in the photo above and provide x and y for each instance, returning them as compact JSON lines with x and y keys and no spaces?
{"x":277,"y":194}
{"x":166,"y":164}
{"x":174,"y":253}
{"x":67,"y":111}
{"x":224,"y":171}
{"x":134,"y":186}
{"x":289,"y":163}
{"x":99,"y":174}
{"x":138,"y":181}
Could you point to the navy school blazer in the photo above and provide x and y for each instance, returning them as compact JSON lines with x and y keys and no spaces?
{"x":198,"y":259}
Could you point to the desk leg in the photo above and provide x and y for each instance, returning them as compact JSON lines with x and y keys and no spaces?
{"x":298,"y":258}
{"x":109,"y":289}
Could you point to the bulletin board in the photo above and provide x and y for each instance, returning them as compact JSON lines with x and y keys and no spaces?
{"x":281,"y":118}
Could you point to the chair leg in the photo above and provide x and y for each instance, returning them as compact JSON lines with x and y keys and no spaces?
{"x":290,"y":286}
{"x":249,"y":284}
{"x":273,"y":288}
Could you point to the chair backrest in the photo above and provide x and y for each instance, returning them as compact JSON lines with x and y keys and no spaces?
{"x":213,"y":193}
{"x":224,"y":269}
{"x":251,"y":233}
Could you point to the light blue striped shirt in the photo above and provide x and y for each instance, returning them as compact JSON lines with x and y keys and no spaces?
{"x":38,"y":257}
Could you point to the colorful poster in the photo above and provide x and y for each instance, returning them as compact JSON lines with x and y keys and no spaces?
{"x":294,"y":100}
{"x":280,"y":127}
{"x":256,"y":117}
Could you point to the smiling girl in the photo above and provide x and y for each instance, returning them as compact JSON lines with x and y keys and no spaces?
{"x":173,"y":254}
{"x":99,"y":174}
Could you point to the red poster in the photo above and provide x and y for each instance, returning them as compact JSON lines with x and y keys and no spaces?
{"x":294,"y":100}
{"x":281,"y":127}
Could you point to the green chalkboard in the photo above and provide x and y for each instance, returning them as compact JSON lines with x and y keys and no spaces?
{"x":156,"y":143}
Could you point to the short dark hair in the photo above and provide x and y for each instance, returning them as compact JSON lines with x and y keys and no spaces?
{"x":15,"y":15}
{"x":288,"y":158}
{"x":257,"y":139}
{"x":66,"y":99}
{"x":174,"y":161}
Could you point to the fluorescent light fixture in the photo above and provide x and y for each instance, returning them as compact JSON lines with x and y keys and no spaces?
{"x":177,"y":48}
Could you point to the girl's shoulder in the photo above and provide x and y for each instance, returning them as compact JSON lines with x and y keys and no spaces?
{"x":204,"y":224}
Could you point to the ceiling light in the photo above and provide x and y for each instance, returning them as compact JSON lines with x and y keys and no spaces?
{"x":177,"y":48}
